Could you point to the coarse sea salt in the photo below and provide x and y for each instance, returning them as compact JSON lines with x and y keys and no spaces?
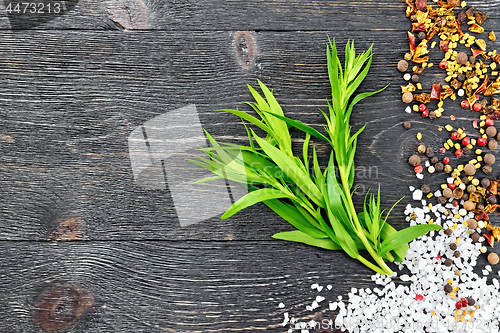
{"x":421,"y":305}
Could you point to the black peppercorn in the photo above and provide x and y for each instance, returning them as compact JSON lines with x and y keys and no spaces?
{"x":421,"y":35}
{"x":434,"y":159}
{"x":461,"y":77}
{"x":441,"y":200}
{"x":492,"y":199}
{"x":439,"y":166}
{"x":425,"y":188}
{"x":448,"y":288}
{"x":485,"y":182}
{"x":448,"y":232}
{"x":415,"y":78}
{"x":472,"y":60}
{"x":453,"y":246}
{"x":475,"y":236}
{"x":466,"y":151}
{"x":448,"y":262}
{"x":429,"y":152}
{"x":471,"y":301}
{"x":456,"y":254}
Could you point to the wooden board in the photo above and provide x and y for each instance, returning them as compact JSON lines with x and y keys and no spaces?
{"x":76,"y":86}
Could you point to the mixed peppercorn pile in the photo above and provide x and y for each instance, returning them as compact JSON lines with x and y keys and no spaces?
{"x":471,"y":76}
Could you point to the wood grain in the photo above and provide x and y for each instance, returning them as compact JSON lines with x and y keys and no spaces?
{"x":174,"y":286}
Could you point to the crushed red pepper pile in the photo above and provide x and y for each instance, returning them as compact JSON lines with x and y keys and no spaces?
{"x":471,"y":75}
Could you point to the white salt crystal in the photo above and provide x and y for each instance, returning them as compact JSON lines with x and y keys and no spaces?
{"x":281,"y":305}
{"x":408,"y":109}
{"x":329,"y":287}
{"x":314,"y":286}
{"x":333,"y":306}
{"x":420,"y":176}
{"x":320,"y":299}
{"x":412,"y":188}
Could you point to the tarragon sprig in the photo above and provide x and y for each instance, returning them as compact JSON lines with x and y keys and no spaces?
{"x":317,"y":203}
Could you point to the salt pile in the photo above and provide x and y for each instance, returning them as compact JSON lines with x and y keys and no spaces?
{"x":422,"y":305}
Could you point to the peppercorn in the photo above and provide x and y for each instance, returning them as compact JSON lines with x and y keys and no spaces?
{"x":439,"y":166}
{"x":487,"y":169}
{"x":457,"y":272}
{"x":418,"y":169}
{"x":472,"y":224}
{"x":432,"y":115}
{"x":413,"y":216}
{"x":489,"y":159}
{"x":465,"y":197}
{"x":447,"y":212}
{"x":434,"y":160}
{"x":407,"y":124}
{"x":425,"y":113}
{"x":458,"y":193}
{"x":415,"y":78}
{"x":491,"y":131}
{"x":483,"y":103}
{"x":482,"y":142}
{"x":480,"y":206}
{"x":446,"y":160}
{"x":407,"y":97}
{"x":402,"y":65}
{"x":471,"y":301}
{"x":461,"y":77}
{"x":469,"y":169}
{"x":475,"y":236}
{"x":421,"y":35}
{"x":492,"y":144}
{"x":498,"y":136}
{"x":447,"y":168}
{"x":429,"y":152}
{"x":485,"y":182}
{"x":462,"y":58}
{"x":466,"y":151}
{"x":471,"y":188}
{"x":492,"y":199}
{"x":441,"y":200}
{"x":465,"y":180}
{"x":456,"y":254}
{"x":472,"y":60}
{"x":448,"y":262}
{"x":453,"y":246}
{"x":466,"y":141}
{"x":447,"y":193}
{"x":421,"y":149}
{"x":493,"y":258}
{"x":448,"y":232}
{"x":488,"y":121}
{"x":425,"y":188}
{"x":448,"y":288}
{"x":414,"y":160}
{"x":469,"y":205}
{"x":477,"y":107}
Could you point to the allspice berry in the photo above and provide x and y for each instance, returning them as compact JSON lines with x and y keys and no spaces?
{"x":475,"y":236}
{"x":407,"y":97}
{"x":492,"y":144}
{"x":485,"y":182}
{"x":402,"y":65}
{"x":447,"y":193}
{"x":414,"y":160}
{"x":493,"y":258}
{"x":407,"y":124}
{"x":448,"y":232}
{"x":448,"y":262}
{"x":456,"y":254}
{"x":439,"y":166}
{"x":448,"y":288}
{"x":471,"y":301}
{"x":489,"y":159}
{"x":462,"y":58}
{"x":453,"y":246}
{"x":491,"y":131}
{"x":470,"y":169}
{"x":441,"y":200}
{"x":469,"y":205}
{"x":415,"y":78}
{"x":472,"y":224}
{"x":498,"y":136}
{"x":487,"y":169}
{"x":458,"y":193}
{"x":429,"y":152}
{"x":425,"y":189}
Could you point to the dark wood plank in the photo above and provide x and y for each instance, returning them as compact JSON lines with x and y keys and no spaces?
{"x":206,"y":15}
{"x":170,"y":286}
{"x":70,"y":101}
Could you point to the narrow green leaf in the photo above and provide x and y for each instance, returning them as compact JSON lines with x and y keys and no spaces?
{"x":405,"y":236}
{"x":305,"y":151}
{"x":296,"y":218}
{"x":252,"y":198}
{"x":344,"y":239}
{"x":294,"y":172}
{"x":300,"y":237}
{"x":250,"y":119}
{"x":301,"y":126}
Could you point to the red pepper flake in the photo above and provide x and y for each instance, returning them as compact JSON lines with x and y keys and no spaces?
{"x":413,"y":42}
{"x":438,"y":257}
{"x":418,"y":27}
{"x":476,"y":53}
{"x":489,"y":122}
{"x":442,"y":150}
{"x":452,"y":117}
{"x":474,"y":124}
{"x":436,"y":91}
{"x":482,"y":216}
{"x":419,"y":297}
{"x":489,"y":238}
{"x":443,"y":45}
{"x":459,"y":152}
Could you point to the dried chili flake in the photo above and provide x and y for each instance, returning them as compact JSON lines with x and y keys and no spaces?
{"x":420,"y":50}
{"x":435,"y":91}
{"x":483,"y":85}
{"x":445,"y":94}
{"x":476,"y":52}
{"x":419,"y":297}
{"x":476,"y":28}
{"x":422,"y":98}
{"x":480,"y":17}
{"x":482,"y":216}
{"x":453,"y":3}
{"x":412,"y":40}
{"x":493,"y":188}
{"x":495,"y":115}
{"x":496,"y":58}
{"x":456,"y":84}
{"x":410,"y":8}
{"x":418,"y":27}
{"x":489,"y":238}
{"x":493,"y":88}
{"x":443,"y":45}
{"x":457,"y":26}
{"x":495,"y":231}
{"x":470,"y":12}
{"x":432,"y":31}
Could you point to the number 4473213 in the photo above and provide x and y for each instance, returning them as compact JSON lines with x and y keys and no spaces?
{"x":33,"y":8}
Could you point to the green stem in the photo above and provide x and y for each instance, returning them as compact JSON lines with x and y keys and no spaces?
{"x":370,"y":265}
{"x":361,"y":235}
